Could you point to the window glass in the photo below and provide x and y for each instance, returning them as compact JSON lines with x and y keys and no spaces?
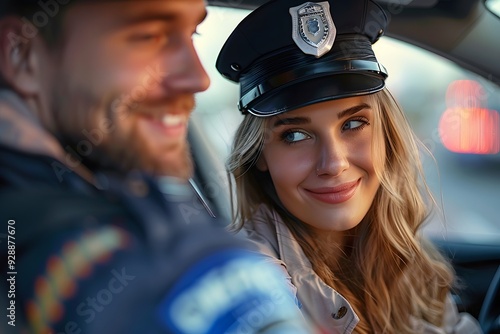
{"x":493,"y":6}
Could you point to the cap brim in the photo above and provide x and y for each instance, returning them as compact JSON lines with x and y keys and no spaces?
{"x":298,"y":95}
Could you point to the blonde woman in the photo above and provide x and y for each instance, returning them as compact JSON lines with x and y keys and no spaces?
{"x":327,"y":175}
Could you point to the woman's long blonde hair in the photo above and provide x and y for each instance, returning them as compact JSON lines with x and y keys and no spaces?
{"x":389,"y":274}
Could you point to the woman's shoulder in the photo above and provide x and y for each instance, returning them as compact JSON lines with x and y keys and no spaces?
{"x":453,"y":322}
{"x":269,"y":233}
{"x":459,"y":322}
{"x":261,"y":231}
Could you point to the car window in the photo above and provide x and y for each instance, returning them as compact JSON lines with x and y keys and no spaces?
{"x":493,"y":6}
{"x":453,"y":112}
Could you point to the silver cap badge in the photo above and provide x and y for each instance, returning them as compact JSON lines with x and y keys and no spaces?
{"x":313,"y":28}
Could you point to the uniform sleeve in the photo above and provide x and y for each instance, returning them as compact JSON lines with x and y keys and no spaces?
{"x":103,"y":280}
{"x":128,"y":264}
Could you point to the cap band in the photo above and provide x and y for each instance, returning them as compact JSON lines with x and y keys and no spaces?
{"x":310,"y":72}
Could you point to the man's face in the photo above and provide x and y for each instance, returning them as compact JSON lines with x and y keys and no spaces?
{"x":124,"y":82}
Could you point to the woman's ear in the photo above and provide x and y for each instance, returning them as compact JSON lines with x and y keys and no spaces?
{"x":261,"y":163}
{"x":18,"y":57}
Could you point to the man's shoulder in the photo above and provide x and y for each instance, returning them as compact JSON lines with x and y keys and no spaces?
{"x":44,"y":194}
{"x":49,"y":199}
{"x":43,"y":210}
{"x":20,"y":169}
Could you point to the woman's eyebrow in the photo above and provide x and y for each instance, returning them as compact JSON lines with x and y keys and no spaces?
{"x":353,"y":110}
{"x":291,"y":121}
{"x":305,"y":120}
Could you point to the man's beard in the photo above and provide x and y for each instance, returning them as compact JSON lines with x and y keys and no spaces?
{"x":132,"y":155}
{"x":95,"y":135}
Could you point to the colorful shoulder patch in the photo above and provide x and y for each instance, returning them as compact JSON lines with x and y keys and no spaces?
{"x":64,"y":271}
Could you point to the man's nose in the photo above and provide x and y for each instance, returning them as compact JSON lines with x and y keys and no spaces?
{"x":186,"y":73}
{"x":333,"y":158}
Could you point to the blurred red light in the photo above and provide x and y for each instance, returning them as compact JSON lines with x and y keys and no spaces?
{"x":470,"y":130}
{"x":465,"y":93}
{"x":466,"y":126}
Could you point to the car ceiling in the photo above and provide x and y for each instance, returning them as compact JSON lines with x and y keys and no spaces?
{"x":464,"y":31}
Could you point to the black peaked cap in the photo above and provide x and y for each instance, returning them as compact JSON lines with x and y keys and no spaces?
{"x":277,"y":74}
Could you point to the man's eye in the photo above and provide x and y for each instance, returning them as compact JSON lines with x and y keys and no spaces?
{"x":294,"y":136}
{"x":355,"y":124}
{"x":148,"y":38}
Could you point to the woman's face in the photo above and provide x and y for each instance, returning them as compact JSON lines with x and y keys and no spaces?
{"x":320,"y":160}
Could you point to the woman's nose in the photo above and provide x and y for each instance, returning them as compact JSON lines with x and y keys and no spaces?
{"x":333,"y":158}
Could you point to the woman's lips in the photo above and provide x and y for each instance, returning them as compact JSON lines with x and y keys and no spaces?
{"x":334,"y":195}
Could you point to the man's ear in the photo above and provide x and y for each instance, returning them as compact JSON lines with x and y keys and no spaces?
{"x":18,"y":60}
{"x":261,"y":163}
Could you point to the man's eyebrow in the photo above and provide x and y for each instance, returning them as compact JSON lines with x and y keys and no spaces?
{"x":353,"y":110}
{"x":291,"y":121}
{"x":166,"y":17}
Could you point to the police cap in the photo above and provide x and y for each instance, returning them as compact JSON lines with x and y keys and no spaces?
{"x":288,"y":54}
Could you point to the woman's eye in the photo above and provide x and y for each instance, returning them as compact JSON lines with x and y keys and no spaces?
{"x":354,"y":124}
{"x":294,"y":136}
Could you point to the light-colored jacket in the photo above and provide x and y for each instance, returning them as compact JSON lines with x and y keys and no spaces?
{"x":320,"y":303}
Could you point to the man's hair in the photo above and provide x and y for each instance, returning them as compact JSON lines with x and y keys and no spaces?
{"x":50,"y":32}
